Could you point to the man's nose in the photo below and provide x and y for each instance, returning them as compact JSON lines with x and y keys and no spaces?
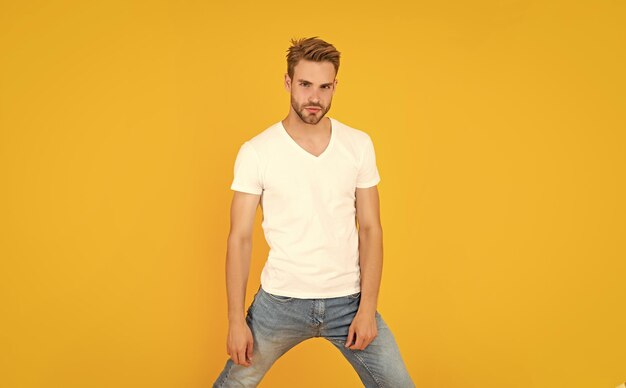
{"x":314,"y":98}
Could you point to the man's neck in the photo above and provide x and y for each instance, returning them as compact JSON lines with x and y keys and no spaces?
{"x":299,"y":128}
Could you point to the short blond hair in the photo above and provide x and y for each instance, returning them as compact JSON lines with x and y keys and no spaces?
{"x":312,"y":49}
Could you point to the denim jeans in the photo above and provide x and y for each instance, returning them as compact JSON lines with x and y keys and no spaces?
{"x":279,"y":323}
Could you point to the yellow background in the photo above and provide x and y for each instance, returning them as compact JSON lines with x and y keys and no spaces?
{"x":499,"y":128}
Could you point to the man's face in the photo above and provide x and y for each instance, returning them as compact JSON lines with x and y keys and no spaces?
{"x":313,"y":86}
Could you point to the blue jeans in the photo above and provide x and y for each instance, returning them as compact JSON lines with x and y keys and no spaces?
{"x":279,"y":323}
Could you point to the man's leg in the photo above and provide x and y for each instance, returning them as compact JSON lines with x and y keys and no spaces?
{"x":380,"y":364}
{"x":276,"y":327}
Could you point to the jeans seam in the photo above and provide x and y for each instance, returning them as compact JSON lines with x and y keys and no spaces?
{"x":221,"y":384}
{"x":363,"y":363}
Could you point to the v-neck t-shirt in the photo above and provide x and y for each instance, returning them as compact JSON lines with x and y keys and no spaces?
{"x":309,"y":208}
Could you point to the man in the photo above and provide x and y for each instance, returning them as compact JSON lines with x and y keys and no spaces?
{"x":314,"y":178}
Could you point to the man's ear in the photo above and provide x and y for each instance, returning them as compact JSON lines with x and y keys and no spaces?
{"x":287,"y":82}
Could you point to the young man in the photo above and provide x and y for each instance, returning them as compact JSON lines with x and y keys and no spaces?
{"x":314,"y":178}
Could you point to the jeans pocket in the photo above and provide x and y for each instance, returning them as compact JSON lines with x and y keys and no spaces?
{"x":254,"y":301}
{"x":278,"y":298}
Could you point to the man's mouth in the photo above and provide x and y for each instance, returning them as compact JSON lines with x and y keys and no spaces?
{"x":313,"y":109}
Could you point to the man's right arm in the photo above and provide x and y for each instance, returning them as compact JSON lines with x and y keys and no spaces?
{"x":239,"y":252}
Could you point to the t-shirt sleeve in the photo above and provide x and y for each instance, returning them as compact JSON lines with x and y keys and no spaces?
{"x":246,"y":176}
{"x":368,"y":172}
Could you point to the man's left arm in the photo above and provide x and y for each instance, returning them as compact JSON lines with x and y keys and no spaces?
{"x":364,"y":325}
{"x":370,"y":247}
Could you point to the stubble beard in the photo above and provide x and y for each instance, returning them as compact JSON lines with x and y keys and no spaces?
{"x":305,"y":116}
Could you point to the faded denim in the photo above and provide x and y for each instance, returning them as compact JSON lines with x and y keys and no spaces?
{"x":279,"y":323}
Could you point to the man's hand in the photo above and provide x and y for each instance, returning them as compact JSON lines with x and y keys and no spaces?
{"x":364,"y":327}
{"x":240,"y":342}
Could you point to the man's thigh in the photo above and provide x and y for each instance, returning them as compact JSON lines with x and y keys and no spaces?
{"x":277,"y":325}
{"x":380,"y":364}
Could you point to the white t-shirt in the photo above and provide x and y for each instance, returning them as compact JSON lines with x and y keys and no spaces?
{"x":308,"y":204}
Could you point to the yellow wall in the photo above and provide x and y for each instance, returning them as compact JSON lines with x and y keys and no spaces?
{"x":500,"y":134}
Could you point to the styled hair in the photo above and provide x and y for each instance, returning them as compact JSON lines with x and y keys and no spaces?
{"x":312,"y":49}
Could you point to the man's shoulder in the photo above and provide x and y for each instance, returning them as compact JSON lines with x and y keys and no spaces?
{"x":353,"y":134}
{"x":262,"y":140}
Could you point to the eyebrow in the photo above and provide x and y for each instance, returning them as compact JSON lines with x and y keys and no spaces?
{"x":308,"y":82}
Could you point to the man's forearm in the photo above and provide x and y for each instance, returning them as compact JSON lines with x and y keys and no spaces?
{"x":238,"y":256}
{"x":371,"y":262}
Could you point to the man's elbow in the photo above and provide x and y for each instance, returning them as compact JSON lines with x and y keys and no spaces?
{"x":237,"y":240}
{"x":371,"y":229}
